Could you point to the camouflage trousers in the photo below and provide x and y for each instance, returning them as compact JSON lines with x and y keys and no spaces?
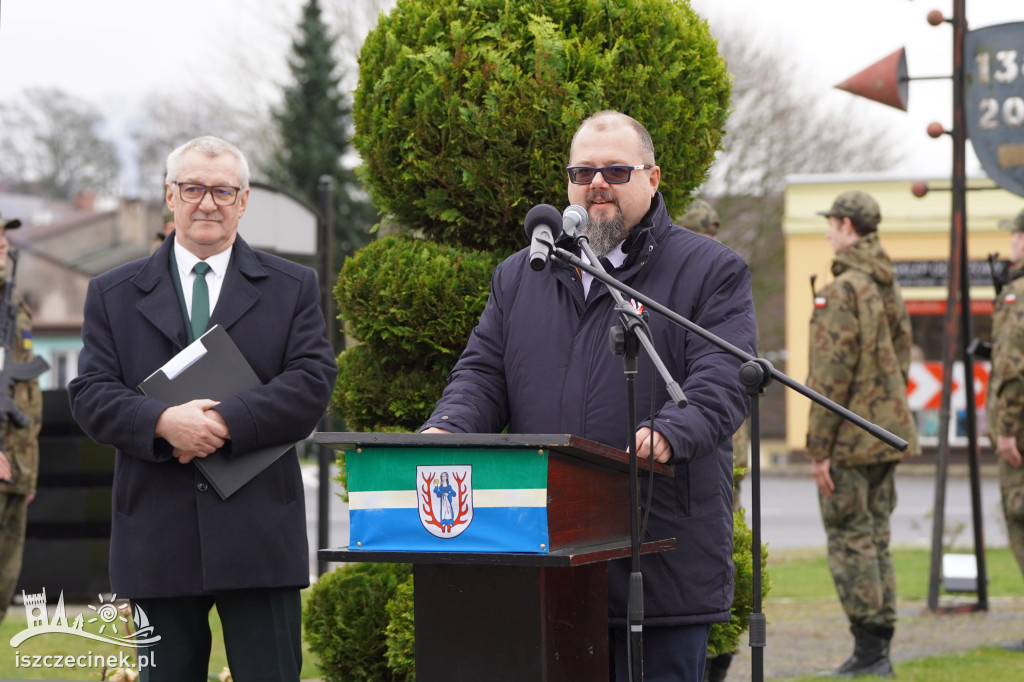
{"x":856,"y":519}
{"x":13,"y":517}
{"x":1011,"y":487}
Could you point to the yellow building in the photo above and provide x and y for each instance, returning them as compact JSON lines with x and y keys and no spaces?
{"x":916,"y":234}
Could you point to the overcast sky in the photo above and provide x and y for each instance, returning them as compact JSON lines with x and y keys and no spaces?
{"x":114,"y":52}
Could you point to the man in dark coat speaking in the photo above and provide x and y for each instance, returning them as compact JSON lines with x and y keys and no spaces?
{"x":539,"y":362}
{"x":177,"y":549}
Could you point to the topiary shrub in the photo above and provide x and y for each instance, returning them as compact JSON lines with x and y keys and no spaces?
{"x":405,"y":296}
{"x":345,"y":616}
{"x":465,"y":109}
{"x":400,"y":634}
{"x":411,"y":304}
{"x":375,"y":395}
{"x":464,"y":114}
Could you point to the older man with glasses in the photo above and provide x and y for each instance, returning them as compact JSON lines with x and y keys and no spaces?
{"x":539,"y":362}
{"x":177,"y":548}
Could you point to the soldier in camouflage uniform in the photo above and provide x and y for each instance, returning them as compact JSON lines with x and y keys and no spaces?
{"x":860,"y":340}
{"x":702,"y":218}
{"x":1006,"y":392}
{"x":19,"y":459}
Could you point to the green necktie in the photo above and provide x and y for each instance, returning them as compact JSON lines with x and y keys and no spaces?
{"x":200,"y":300}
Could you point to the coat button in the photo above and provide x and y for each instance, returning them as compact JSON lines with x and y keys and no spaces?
{"x":202,"y":486}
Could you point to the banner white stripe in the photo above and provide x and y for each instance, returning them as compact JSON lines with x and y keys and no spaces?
{"x":485,"y":497}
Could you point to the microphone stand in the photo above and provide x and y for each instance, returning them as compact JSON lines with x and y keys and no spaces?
{"x":625,"y":341}
{"x":756,"y":374}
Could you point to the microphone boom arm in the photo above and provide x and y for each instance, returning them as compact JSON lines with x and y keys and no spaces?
{"x":878,"y":432}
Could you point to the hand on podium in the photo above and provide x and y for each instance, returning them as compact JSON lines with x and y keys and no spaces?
{"x":646,"y":440}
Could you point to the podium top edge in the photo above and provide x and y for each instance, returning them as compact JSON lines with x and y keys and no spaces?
{"x":565,"y":557}
{"x":563,"y":443}
{"x":348,"y":440}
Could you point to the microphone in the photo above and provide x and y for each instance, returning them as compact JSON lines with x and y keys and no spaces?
{"x":543,"y":227}
{"x":573,"y":218}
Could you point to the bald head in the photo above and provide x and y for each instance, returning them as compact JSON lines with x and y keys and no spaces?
{"x":608,"y":120}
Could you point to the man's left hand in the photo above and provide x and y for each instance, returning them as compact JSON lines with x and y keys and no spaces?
{"x":821,"y":472}
{"x":5,"y":468}
{"x":646,"y":440}
{"x":1006,"y":447}
{"x":221,"y":429}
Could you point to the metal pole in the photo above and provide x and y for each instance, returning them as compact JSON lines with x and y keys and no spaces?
{"x":758,"y":629}
{"x":325,"y":242}
{"x":957,"y":337}
{"x":960,"y":215}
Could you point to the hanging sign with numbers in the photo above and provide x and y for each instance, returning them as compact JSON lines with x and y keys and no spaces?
{"x":994,"y":101}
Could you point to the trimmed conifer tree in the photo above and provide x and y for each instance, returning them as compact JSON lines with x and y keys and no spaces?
{"x":464,"y":113}
{"x":465,"y":109}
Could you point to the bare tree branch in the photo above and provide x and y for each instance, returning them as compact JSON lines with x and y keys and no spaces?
{"x":50,"y":144}
{"x":779,"y":127}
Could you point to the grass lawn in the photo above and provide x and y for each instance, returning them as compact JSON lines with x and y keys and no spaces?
{"x":803,"y":574}
{"x":65,"y":645}
{"x":982,"y":665}
{"x":799,"y":576}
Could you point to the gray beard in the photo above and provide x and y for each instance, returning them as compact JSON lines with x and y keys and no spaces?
{"x":604,"y":235}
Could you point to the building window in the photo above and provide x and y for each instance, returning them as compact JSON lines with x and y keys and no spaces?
{"x":64,"y":368}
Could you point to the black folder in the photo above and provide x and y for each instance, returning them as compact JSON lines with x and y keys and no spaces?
{"x":213,"y":367}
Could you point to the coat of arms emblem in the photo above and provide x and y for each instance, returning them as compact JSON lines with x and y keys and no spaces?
{"x":445,"y":497}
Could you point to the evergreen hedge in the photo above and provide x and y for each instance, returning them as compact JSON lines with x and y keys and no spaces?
{"x":465,"y":109}
{"x":464,"y":113}
{"x":400,"y":634}
{"x":344,"y":616}
{"x":411,"y":304}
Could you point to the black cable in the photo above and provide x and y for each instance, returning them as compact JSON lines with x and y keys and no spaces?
{"x":650,"y":459}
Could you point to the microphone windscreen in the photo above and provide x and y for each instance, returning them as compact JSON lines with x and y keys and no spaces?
{"x":543,"y":214}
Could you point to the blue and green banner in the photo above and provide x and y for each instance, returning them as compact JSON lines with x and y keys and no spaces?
{"x":447,"y":500}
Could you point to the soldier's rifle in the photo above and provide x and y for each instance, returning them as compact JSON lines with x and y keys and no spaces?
{"x":13,"y":371}
{"x":977,"y":347}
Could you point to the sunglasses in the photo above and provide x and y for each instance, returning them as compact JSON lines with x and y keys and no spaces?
{"x":613,"y":175}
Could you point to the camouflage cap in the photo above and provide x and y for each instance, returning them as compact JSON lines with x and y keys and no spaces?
{"x":700,"y":217}
{"x":1015,"y":224}
{"x":9,"y":224}
{"x":855,"y":205}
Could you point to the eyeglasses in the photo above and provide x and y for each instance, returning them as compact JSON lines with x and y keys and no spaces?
{"x":613,"y":175}
{"x":192,"y":193}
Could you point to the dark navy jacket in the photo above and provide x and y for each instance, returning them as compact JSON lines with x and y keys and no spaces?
{"x":171,"y":533}
{"x":539,"y":362}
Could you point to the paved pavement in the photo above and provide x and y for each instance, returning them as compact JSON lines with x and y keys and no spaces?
{"x":790,"y":516}
{"x":789,"y":511}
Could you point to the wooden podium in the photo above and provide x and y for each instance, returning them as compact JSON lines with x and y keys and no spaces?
{"x":516,"y":616}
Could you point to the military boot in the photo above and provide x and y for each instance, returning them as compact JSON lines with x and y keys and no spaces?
{"x":870,"y":652}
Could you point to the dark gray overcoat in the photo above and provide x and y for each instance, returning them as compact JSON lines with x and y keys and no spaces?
{"x":539,"y":362}
{"x":171,"y":533}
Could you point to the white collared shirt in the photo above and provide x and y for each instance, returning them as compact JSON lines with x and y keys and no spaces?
{"x":617,"y":257}
{"x":214,"y":278}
